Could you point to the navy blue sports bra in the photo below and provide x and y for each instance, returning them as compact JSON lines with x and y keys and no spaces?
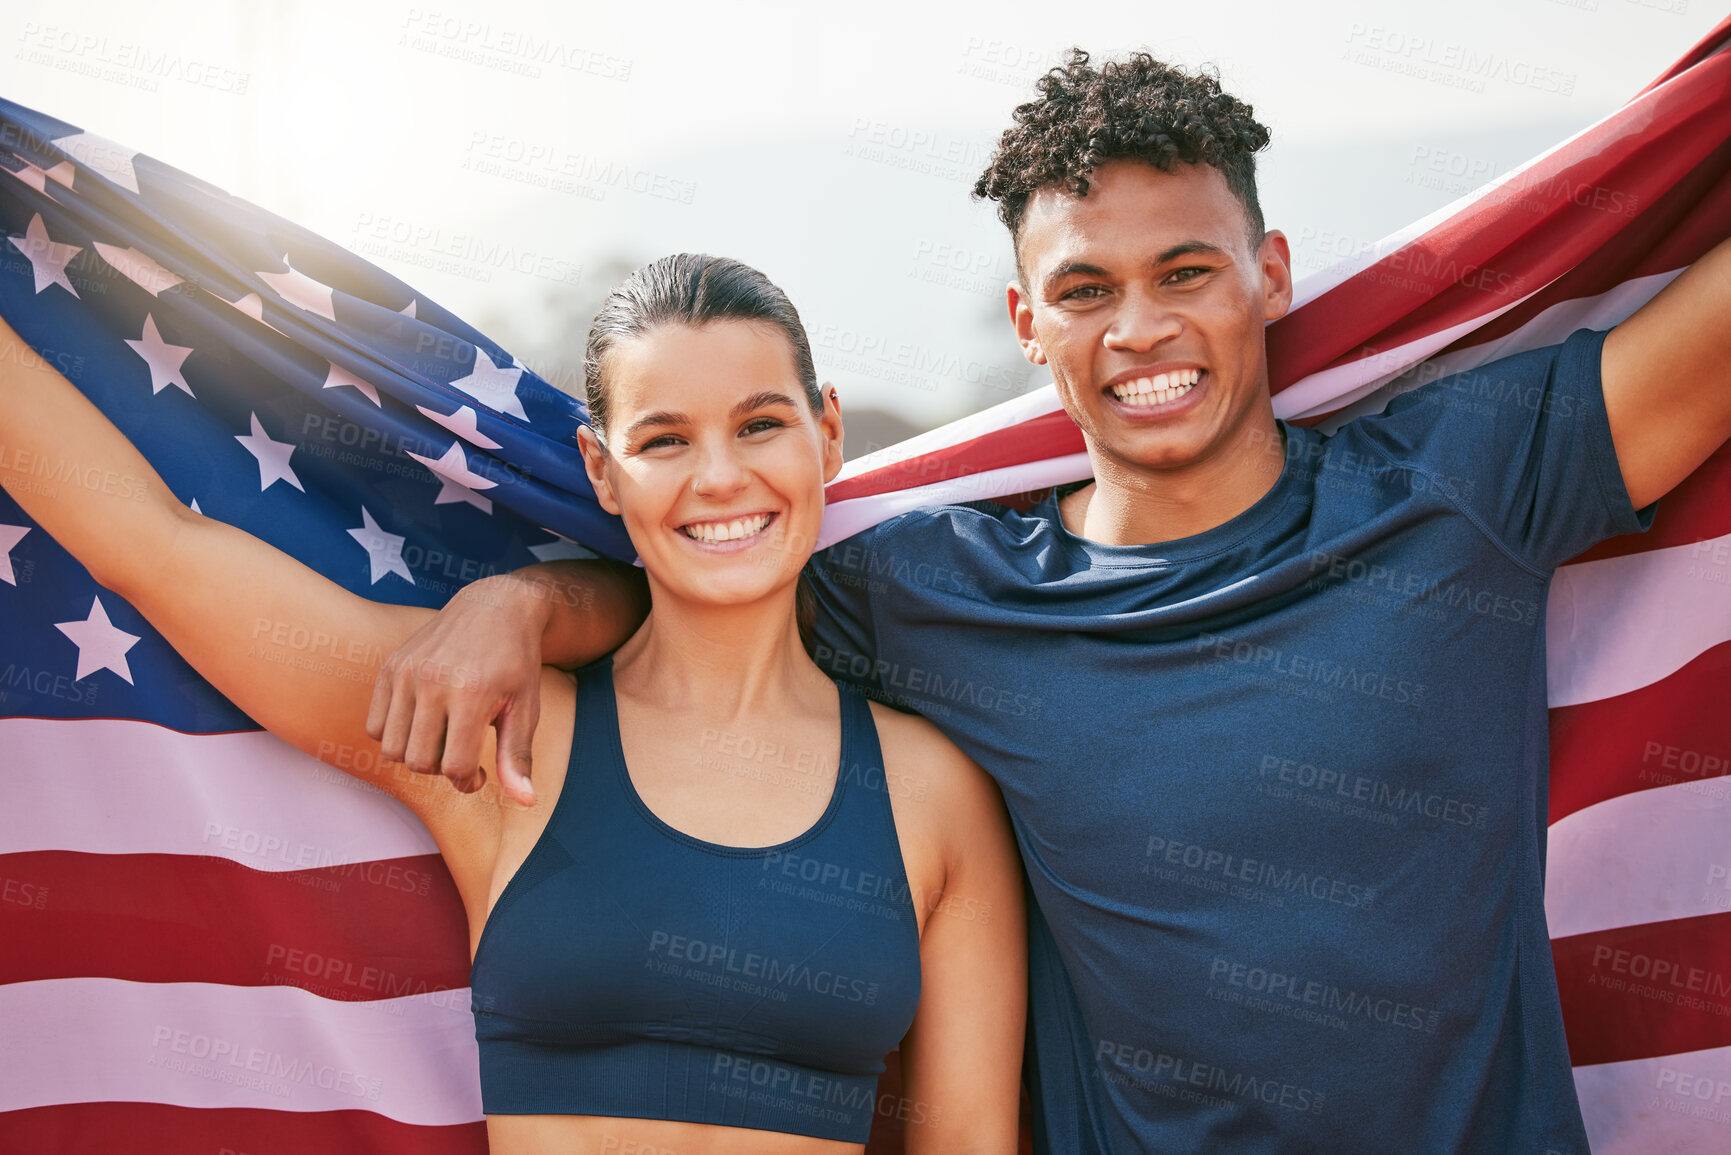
{"x":631,"y":970}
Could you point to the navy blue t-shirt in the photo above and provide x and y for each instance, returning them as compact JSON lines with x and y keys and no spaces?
{"x":1280,"y":787}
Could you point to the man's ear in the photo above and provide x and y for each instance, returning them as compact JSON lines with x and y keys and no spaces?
{"x":595,"y":462}
{"x":1022,"y":320}
{"x":830,"y":431}
{"x":1275,"y":257}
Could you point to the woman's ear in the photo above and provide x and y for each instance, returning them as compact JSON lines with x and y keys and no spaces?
{"x":829,"y":428}
{"x":595,"y":461}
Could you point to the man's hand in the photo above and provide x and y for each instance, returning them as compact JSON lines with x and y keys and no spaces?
{"x":478,"y":664}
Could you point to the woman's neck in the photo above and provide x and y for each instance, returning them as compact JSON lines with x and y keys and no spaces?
{"x":720,"y":662}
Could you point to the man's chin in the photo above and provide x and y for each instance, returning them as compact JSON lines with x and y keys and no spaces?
{"x":1164,"y":452}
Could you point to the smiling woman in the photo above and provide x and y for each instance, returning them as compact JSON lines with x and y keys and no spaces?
{"x":729,"y":356}
{"x":654,"y":964}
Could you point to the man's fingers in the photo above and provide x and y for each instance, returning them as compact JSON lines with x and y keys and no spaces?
{"x":465,"y":731}
{"x":516,"y":725}
{"x":425,"y":749}
{"x":380,"y":707}
{"x":393,"y":735}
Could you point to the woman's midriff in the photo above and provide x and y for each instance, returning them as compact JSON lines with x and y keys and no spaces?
{"x":599,"y":1135}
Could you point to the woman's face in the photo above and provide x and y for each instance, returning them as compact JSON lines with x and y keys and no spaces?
{"x":714,"y":458}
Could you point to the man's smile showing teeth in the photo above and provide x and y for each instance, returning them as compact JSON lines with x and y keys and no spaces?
{"x":717,"y":532}
{"x":1158,"y":389}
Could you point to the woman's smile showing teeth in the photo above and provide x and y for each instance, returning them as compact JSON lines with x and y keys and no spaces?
{"x":1157,"y":389}
{"x":725,"y":531}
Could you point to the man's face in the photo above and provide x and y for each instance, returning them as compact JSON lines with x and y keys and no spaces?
{"x":1147,"y":299}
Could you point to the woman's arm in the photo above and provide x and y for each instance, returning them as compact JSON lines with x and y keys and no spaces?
{"x":297,"y":652}
{"x":962,"y":1059}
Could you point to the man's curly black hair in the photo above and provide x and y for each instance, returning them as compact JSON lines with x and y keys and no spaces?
{"x":1133,"y":109}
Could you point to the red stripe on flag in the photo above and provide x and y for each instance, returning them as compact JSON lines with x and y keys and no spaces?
{"x":1459,"y":269}
{"x":364,"y":930}
{"x":1673,"y":231}
{"x":1037,"y":439}
{"x":1638,"y":992}
{"x":161,"y":1129}
{"x":1669,"y":223}
{"x":1666,"y":732}
{"x":1698,"y":509}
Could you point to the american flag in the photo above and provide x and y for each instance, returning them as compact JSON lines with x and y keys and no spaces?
{"x":209,"y":941}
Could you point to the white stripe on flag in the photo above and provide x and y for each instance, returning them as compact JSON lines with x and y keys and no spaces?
{"x":1620,"y":623}
{"x":843,"y":519}
{"x":1673,"y":1103}
{"x":94,"y":1040}
{"x":1329,"y":389}
{"x":110,"y":786}
{"x":1650,"y":856}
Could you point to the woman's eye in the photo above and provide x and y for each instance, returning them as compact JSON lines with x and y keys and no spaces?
{"x":760,"y":424}
{"x":658,"y":442}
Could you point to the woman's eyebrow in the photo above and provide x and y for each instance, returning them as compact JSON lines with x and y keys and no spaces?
{"x":762,"y":400}
{"x":662,"y":417}
{"x":659,"y":417}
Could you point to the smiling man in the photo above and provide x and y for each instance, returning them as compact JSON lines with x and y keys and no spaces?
{"x":1267,"y":706}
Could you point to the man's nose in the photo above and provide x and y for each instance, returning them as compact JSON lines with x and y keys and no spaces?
{"x":1142,"y":323}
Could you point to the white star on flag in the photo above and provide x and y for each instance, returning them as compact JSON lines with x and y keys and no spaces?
{"x":273,"y":457}
{"x":9,"y":537}
{"x":462,"y":423}
{"x":492,"y":386}
{"x":138,"y":268}
{"x":253,"y":306}
{"x":37,"y":178}
{"x":47,"y":257}
{"x":456,"y":482}
{"x":101,"y":645}
{"x":195,"y":508}
{"x":337,"y":377}
{"x":559,"y":548}
{"x":384,"y":550}
{"x":99,"y":154}
{"x":297,"y":288}
{"x":408,"y":310}
{"x":164,"y":359}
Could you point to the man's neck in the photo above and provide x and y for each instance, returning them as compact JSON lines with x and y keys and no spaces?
{"x":1131,"y":505}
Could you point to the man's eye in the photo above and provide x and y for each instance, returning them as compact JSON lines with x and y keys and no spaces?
{"x":1189,"y":273}
{"x":1083,"y":293}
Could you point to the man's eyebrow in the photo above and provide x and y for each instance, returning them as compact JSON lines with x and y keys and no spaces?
{"x":1188,"y":249}
{"x":1073,"y":269}
{"x":1182,"y":249}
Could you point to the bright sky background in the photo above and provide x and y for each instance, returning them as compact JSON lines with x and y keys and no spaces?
{"x":512,"y":159}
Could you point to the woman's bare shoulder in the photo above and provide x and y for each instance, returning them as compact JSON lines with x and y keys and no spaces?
{"x":920,"y":761}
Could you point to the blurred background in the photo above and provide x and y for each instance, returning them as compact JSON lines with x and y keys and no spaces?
{"x":513,"y":159}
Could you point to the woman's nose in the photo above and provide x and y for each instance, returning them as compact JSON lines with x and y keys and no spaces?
{"x":719,"y":472}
